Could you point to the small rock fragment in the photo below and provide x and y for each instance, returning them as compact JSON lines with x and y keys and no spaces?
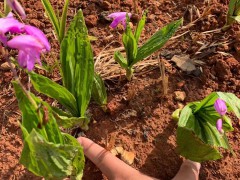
{"x":5,"y":66}
{"x":179,"y":95}
{"x":128,"y":157}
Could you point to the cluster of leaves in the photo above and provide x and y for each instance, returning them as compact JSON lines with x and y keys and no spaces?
{"x":134,"y":53}
{"x":47,"y":152}
{"x":197,"y":136}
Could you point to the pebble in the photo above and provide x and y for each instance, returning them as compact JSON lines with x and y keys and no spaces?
{"x":5,"y":66}
{"x":179,"y":95}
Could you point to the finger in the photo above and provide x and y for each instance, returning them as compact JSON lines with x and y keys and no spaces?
{"x":110,"y":165}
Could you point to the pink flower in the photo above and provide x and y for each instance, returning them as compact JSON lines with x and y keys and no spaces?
{"x":220,"y":106}
{"x":39,"y":35}
{"x":219,"y":125}
{"x":16,"y":6}
{"x":118,"y":17}
{"x":30,"y":49}
{"x":9,"y":24}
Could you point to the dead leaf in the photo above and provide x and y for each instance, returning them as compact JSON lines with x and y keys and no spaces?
{"x":127,"y":156}
{"x":184,"y":62}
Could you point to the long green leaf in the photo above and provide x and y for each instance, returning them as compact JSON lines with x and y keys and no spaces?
{"x":77,"y":63}
{"x":120,"y":59}
{"x":130,"y":44}
{"x":157,"y":40}
{"x":53,"y":18}
{"x":63,"y":21}
{"x":48,"y":87}
{"x":99,"y":93}
{"x":140,"y":27}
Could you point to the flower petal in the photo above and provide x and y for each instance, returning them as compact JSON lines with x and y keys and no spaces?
{"x":219,"y":125}
{"x":38,"y":34}
{"x":28,"y":58}
{"x":16,"y":6}
{"x":118,"y":17}
{"x":220,"y":106}
{"x":24,"y":42}
{"x":10,"y":24}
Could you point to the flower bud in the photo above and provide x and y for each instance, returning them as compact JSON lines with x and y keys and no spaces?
{"x":220,"y":106}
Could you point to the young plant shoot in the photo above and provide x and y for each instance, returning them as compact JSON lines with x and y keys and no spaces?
{"x":134,"y":54}
{"x":202,"y":126}
{"x":233,"y":13}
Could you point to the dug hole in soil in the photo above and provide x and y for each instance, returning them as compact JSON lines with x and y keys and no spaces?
{"x":139,"y":116}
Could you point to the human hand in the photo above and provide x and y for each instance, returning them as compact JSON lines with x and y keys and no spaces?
{"x":111,"y":166}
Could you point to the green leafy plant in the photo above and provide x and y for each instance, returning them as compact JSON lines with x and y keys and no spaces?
{"x":233,"y":12}
{"x":199,"y":134}
{"x":47,"y":152}
{"x":134,"y":54}
{"x":78,"y":75}
{"x":59,"y":25}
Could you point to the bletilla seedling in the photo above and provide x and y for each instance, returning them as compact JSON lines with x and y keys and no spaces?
{"x":233,"y":12}
{"x":202,"y":126}
{"x":134,"y":54}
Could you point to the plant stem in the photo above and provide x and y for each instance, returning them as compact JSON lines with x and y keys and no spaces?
{"x":5,"y":53}
{"x":129,"y":73}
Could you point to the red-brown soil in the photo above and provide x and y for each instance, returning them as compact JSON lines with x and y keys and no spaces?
{"x":139,"y":115}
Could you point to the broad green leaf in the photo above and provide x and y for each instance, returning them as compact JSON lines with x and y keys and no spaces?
{"x":99,"y":93}
{"x":140,"y":27}
{"x":54,"y":90}
{"x":34,"y":117}
{"x":130,"y":44}
{"x":53,"y":18}
{"x":199,"y":118}
{"x":157,"y":40}
{"x":69,"y":122}
{"x":46,"y":151}
{"x":79,"y":160}
{"x":120,"y":59}
{"x":77,"y":63}
{"x":63,"y":21}
{"x":52,"y":161}
{"x":191,"y":147}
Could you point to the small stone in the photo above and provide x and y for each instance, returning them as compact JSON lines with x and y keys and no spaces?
{"x":180,"y":105}
{"x":5,"y":66}
{"x":128,"y":157}
{"x":179,"y":95}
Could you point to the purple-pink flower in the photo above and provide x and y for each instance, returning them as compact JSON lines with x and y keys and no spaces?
{"x":31,"y":42}
{"x":118,"y":17}
{"x":219,"y":125}
{"x":16,"y":6}
{"x":220,"y":106}
{"x":9,"y":24}
{"x":29,"y":48}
